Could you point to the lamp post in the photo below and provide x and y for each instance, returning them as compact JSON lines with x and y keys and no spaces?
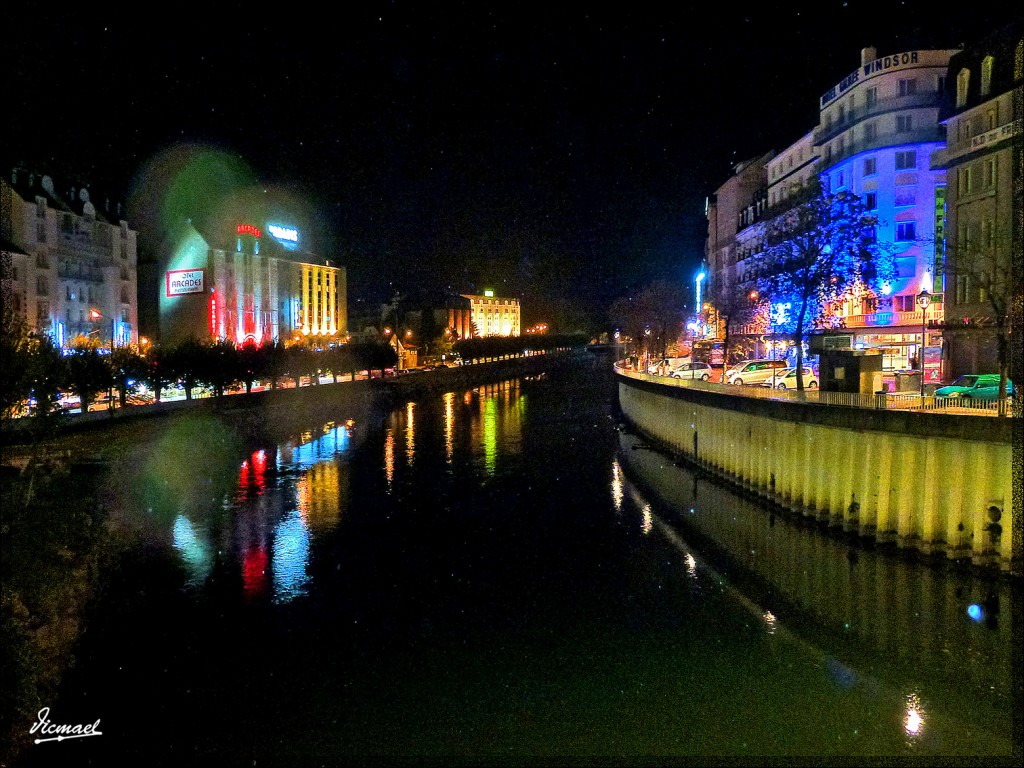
{"x":923,"y":300}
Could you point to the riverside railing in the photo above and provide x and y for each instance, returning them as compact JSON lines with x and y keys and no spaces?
{"x":898,"y":401}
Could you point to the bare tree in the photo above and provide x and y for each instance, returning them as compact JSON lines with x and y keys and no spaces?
{"x":983,"y":284}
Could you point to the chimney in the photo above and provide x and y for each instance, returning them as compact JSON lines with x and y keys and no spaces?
{"x":867,"y":55}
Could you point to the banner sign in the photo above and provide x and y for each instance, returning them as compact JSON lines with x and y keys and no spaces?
{"x":184,"y":281}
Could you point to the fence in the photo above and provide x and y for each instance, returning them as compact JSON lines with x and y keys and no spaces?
{"x":897,"y":401}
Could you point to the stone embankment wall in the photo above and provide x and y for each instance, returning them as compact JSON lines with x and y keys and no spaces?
{"x":935,"y":483}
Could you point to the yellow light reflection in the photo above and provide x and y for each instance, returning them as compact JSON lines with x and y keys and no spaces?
{"x":617,"y":492}
{"x":389,"y":457}
{"x":648,"y":523}
{"x":691,"y":566}
{"x":410,"y":432}
{"x":449,"y":426}
{"x":770,"y":620}
{"x":913,"y":721}
{"x":490,"y":433}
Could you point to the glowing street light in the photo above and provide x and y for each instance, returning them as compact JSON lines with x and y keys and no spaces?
{"x":924,"y":298}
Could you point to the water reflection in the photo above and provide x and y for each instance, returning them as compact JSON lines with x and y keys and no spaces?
{"x":410,"y":432}
{"x":389,"y":457}
{"x":902,"y":619}
{"x":617,"y":485}
{"x":195,"y":552}
{"x":913,"y":722}
{"x":449,"y":426}
{"x":291,"y":557}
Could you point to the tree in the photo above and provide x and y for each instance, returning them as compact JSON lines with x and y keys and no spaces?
{"x":982,"y":279}
{"x":87,"y":373}
{"x":185,"y":361}
{"x":126,"y":365}
{"x":16,"y":349}
{"x":816,"y":252}
{"x":219,"y":366}
{"x":157,"y":372}
{"x":652,"y":316}
{"x":734,"y":306}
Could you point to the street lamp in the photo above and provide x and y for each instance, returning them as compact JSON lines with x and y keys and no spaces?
{"x":924,"y":298}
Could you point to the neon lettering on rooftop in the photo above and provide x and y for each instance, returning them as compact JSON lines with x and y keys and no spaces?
{"x":248,"y":229}
{"x":283,"y":233}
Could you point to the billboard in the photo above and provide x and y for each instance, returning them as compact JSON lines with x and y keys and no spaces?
{"x":181,"y":282}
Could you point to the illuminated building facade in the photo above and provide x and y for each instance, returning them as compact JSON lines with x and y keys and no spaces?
{"x":70,"y":261}
{"x":878,"y":129}
{"x":494,"y":316}
{"x":983,"y":117}
{"x":251,"y":284}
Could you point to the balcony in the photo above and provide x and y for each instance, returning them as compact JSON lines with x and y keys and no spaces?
{"x":932,"y":134}
{"x":892,"y":319}
{"x":880,"y":107}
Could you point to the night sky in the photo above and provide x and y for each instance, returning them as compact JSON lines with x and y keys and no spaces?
{"x":560,"y":156}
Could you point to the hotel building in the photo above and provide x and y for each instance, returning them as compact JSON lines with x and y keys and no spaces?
{"x":69,"y":260}
{"x":494,"y":316}
{"x":247,"y":283}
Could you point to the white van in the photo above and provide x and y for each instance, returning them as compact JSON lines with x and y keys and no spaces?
{"x":755,"y":372}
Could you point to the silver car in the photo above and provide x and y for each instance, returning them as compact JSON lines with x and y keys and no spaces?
{"x":700,"y":371}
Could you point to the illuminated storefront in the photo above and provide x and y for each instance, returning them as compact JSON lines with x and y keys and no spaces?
{"x":257,"y":289}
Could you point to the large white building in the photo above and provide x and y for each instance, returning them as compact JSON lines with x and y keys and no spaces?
{"x":70,"y":260}
{"x":878,"y":129}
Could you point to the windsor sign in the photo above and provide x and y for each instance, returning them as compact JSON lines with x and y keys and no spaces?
{"x":872,"y":68}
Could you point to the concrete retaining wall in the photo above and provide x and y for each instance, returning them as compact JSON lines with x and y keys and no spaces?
{"x":940,"y":484}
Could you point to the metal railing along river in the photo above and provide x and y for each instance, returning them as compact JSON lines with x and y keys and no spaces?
{"x":898,"y":401}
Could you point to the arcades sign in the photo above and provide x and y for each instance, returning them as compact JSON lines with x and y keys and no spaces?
{"x":181,"y":282}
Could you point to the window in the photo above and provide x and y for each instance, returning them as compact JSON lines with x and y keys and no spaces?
{"x":42,"y":287}
{"x":941,"y":87}
{"x":986,"y":75}
{"x":906,"y":231}
{"x":908,"y":87}
{"x":124,"y":295}
{"x":960,"y":288}
{"x":963,"y":79}
{"x":871,"y":97}
{"x":906,"y":159}
{"x":988,"y":233}
{"x":870,"y":166}
{"x":963,"y":186}
{"x":906,"y":195}
{"x":840,"y":180}
{"x":904,"y":123}
{"x":990,"y":120}
{"x":841,"y":117}
{"x":41,"y":261}
{"x":870,"y":132}
{"x":990,"y":173}
{"x":41,"y":230}
{"x":871,"y":200}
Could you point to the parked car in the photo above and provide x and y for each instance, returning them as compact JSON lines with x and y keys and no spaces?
{"x":983,"y":386}
{"x":755,"y":371}
{"x":700,"y":371}
{"x":663,"y":365}
{"x":787,"y":379}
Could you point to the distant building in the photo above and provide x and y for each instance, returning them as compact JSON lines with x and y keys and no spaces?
{"x":494,"y":316}
{"x":246,"y":283}
{"x":69,"y":260}
{"x":983,"y":119}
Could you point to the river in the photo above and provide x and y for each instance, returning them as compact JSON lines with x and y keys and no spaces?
{"x":505,"y":573}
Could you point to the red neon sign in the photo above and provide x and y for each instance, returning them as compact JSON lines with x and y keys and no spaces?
{"x":213,"y":315}
{"x":248,"y":229}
